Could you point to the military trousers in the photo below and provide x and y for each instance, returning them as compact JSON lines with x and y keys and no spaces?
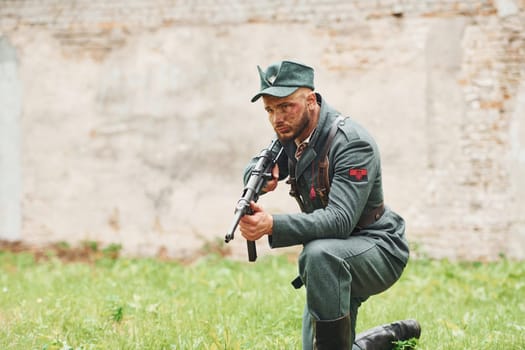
{"x":340,"y":274}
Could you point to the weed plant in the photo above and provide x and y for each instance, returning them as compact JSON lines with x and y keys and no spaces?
{"x":217,"y":303}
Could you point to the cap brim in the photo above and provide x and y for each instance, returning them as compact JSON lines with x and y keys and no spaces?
{"x":277,"y":91}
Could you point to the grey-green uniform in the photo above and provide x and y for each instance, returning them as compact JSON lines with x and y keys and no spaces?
{"x":341,"y":264}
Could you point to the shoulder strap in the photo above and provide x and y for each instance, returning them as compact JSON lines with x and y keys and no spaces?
{"x":322,"y":175}
{"x":324,"y":179}
{"x":331,"y":135}
{"x":292,"y":181}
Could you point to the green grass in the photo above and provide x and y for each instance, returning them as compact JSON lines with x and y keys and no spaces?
{"x":216,"y":303}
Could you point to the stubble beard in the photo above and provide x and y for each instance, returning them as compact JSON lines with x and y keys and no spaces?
{"x":303,"y":124}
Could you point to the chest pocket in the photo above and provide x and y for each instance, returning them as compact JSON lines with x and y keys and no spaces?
{"x":323,"y":187}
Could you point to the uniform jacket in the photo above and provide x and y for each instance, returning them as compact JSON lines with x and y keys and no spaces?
{"x":355,"y":188}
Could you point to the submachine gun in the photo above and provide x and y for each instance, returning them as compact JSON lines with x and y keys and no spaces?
{"x":261,"y":172}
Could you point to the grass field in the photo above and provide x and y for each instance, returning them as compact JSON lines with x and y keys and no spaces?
{"x":215,"y":303}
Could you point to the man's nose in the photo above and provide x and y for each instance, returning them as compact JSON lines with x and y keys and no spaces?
{"x":278,"y":116}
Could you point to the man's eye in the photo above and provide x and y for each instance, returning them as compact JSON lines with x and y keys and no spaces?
{"x":285,"y":107}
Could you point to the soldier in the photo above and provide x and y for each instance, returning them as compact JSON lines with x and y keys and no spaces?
{"x":353,"y":245}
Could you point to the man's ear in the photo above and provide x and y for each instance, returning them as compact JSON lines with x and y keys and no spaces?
{"x":311,"y":100}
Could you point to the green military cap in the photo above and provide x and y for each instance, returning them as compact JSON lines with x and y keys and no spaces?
{"x":284,"y":78}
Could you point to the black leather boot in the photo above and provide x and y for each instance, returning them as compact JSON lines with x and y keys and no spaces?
{"x":332,"y":335}
{"x":382,"y":337}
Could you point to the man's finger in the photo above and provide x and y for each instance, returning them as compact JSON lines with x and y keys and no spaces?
{"x":255,"y":207}
{"x":275,"y":171}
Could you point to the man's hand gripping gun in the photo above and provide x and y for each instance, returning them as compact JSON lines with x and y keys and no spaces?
{"x":261,"y":172}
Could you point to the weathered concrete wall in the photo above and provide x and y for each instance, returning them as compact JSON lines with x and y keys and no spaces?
{"x":10,"y":111}
{"x":136,"y":121}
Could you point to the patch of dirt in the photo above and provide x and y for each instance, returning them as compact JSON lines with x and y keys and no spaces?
{"x":87,"y":252}
{"x":90,"y":251}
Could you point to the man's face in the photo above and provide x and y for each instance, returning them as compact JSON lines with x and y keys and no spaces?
{"x":288,"y":115}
